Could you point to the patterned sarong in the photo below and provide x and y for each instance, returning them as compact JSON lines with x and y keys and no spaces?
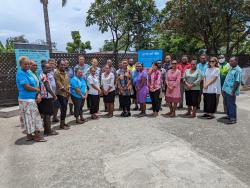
{"x":29,"y":116}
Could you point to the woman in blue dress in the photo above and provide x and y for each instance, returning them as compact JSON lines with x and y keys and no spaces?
{"x":78,"y":90}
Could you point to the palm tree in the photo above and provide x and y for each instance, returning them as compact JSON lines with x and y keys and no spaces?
{"x":46,"y":21}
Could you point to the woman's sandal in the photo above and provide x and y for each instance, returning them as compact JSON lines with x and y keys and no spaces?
{"x":29,"y":137}
{"x":172,"y":115}
{"x":83,"y":120}
{"x":192,"y":116}
{"x":39,"y":139}
{"x":187,"y":114}
{"x":168,"y":114}
{"x":210,"y":117}
{"x":141,"y":114}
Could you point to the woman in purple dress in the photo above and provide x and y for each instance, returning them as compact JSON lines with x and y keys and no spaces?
{"x":141,"y":89}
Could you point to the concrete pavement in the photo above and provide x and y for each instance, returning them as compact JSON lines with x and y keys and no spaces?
{"x":132,"y":153}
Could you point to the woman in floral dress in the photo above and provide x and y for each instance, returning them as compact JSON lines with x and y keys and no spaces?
{"x":141,"y":89}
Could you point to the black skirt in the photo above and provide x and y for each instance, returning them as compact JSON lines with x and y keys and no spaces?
{"x":192,"y":97}
{"x":94,"y":103}
{"x":45,"y":107}
{"x":56,"y":104}
{"x":209,"y":102}
{"x":110,"y":98}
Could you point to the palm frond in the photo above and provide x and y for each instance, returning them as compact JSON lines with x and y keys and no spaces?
{"x":64,"y":2}
{"x":44,"y":2}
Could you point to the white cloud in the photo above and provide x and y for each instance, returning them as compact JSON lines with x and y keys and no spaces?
{"x":26,"y":17}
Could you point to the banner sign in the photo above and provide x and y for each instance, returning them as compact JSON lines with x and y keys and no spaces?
{"x":35,"y":52}
{"x":147,"y":58}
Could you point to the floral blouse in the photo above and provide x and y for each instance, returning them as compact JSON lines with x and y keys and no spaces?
{"x":154,"y":80}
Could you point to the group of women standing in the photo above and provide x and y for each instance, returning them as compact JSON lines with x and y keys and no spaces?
{"x":56,"y":84}
{"x":94,"y":83}
{"x":191,"y":79}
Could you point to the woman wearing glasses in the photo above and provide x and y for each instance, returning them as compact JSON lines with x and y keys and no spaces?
{"x":212,"y":86}
{"x":173,"y":94}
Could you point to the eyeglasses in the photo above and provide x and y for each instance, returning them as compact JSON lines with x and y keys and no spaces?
{"x":211,"y":61}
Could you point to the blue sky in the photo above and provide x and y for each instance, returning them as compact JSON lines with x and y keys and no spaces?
{"x":25,"y":17}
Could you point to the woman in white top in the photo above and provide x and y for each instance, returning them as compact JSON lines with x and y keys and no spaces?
{"x":211,"y":88}
{"x":94,"y":93}
{"x":108,"y":89}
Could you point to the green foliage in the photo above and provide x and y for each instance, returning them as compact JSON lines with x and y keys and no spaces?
{"x":77,"y":46}
{"x":129,"y":21}
{"x":218,"y":24}
{"x":108,"y":46}
{"x":9,"y":45}
{"x":177,"y":44}
{"x":7,"y":48}
{"x":246,"y":50}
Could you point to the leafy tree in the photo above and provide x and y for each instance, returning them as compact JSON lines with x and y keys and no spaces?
{"x":46,"y":20}
{"x":42,"y":42}
{"x":215,"y":23}
{"x":129,"y":21}
{"x":177,"y":44}
{"x":122,"y":45}
{"x":20,"y":39}
{"x":7,"y":48}
{"x":108,"y":46}
{"x":77,"y":46}
{"x":9,"y":45}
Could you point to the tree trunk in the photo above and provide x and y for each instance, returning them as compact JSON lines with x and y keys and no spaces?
{"x":240,"y":39}
{"x":115,"y":45}
{"x":215,"y":46}
{"x":116,"y":57}
{"x":128,"y":43}
{"x":206,"y":42}
{"x":116,"y":51}
{"x":228,"y":36}
{"x":46,"y":21}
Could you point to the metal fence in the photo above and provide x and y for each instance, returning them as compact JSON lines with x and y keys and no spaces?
{"x":244,"y":60}
{"x":102,"y":58}
{"x":8,"y":90}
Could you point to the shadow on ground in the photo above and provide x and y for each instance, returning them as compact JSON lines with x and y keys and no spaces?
{"x":23,"y":141}
{"x":222,"y":120}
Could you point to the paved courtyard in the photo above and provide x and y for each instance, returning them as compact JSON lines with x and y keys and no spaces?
{"x":131,"y":153}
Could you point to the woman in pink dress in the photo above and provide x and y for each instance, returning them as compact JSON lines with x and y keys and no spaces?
{"x":173,"y":95}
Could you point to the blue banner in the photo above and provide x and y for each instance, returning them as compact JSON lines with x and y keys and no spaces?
{"x":147,"y":57}
{"x":34,"y":52}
